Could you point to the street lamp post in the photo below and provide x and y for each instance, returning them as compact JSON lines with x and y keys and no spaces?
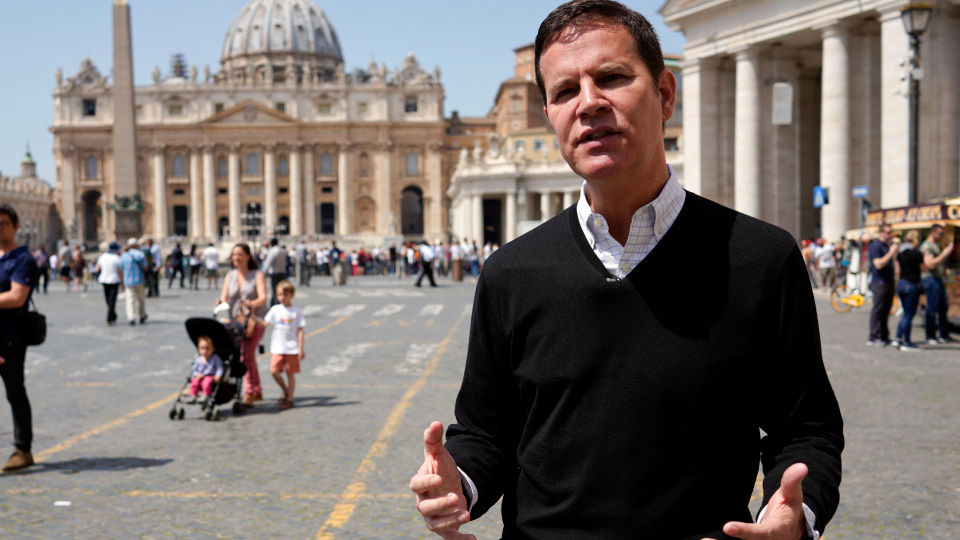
{"x":916,"y":18}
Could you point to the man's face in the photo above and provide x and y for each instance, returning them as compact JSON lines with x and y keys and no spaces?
{"x":885,"y":234}
{"x":8,"y":231}
{"x":603,"y":103}
{"x":935,"y":234}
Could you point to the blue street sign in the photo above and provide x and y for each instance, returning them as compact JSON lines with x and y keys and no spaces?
{"x":861,"y":192}
{"x":821,"y":196}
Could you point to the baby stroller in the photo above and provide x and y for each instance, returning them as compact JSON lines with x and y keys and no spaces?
{"x":227,"y":339}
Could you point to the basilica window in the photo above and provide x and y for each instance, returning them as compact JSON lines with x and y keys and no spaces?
{"x":175,"y":109}
{"x":537,"y":145}
{"x":91,"y":168}
{"x":217,"y":108}
{"x":179,"y":166}
{"x":362,"y":108}
{"x":139,"y":111}
{"x":413,"y":164}
{"x":89,"y":107}
{"x":222,"y":167}
{"x":326,"y":164}
{"x":364,"y":165}
{"x":253,"y":164}
{"x":283,"y":166}
{"x":410,"y":104}
{"x":324,"y":108}
{"x":280,"y":107}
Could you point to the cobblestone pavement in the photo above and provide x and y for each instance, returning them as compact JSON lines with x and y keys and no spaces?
{"x":383,"y":360}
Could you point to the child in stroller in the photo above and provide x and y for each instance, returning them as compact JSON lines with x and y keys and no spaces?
{"x":207,"y":370}
{"x":226,"y":339}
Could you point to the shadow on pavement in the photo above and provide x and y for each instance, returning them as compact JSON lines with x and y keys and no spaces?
{"x":271,"y":407}
{"x":74,"y":466}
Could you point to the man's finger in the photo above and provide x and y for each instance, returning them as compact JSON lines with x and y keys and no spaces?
{"x":447,"y":522}
{"x":791,"y":484}
{"x":423,"y":482}
{"x":433,"y":439}
{"x":439,"y":507}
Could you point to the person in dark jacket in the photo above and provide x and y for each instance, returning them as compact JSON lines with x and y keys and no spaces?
{"x":910,"y":261}
{"x":602,"y":397}
{"x":18,"y":279}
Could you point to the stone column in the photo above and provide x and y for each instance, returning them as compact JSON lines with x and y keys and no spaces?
{"x":159,"y":194}
{"x":545,"y":206}
{"x":209,"y":194}
{"x":233,"y":191}
{"x":68,"y":185}
{"x":747,"y":154}
{"x":296,"y":190}
{"x":476,"y":218}
{"x":835,"y":132}
{"x":510,"y":231}
{"x":384,"y":186}
{"x":344,"y":191}
{"x":894,"y":113}
{"x":783,"y":177}
{"x":309,"y":198}
{"x":196,"y":194}
{"x":434,"y":224}
{"x":569,"y":198}
{"x":269,"y":189}
{"x":701,"y":109}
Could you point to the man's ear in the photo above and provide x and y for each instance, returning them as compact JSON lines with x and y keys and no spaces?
{"x":667,"y":86}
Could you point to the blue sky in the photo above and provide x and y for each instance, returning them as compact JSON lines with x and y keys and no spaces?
{"x":471,"y":42}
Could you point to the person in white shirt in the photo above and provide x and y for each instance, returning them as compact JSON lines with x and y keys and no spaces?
{"x":286,"y":342}
{"x":426,"y":264}
{"x":211,"y":264}
{"x":108,"y":269}
{"x":826,"y":262}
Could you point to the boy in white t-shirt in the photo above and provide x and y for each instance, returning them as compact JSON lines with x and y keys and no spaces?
{"x":286,"y":342}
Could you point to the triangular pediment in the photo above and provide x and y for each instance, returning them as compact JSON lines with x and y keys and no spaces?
{"x":673,"y":6}
{"x":249,"y":112}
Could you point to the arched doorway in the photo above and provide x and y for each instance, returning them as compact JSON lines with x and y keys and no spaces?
{"x":92,"y":215}
{"x":283,"y":226}
{"x":222,"y":224}
{"x":411,"y":211}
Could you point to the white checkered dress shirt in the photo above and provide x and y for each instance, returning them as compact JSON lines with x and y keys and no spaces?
{"x":647,"y":227}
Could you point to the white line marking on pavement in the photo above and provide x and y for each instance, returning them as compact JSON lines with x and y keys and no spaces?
{"x":348,"y":310}
{"x":389,"y":309}
{"x":311,"y":310}
{"x":341,"y":362}
{"x":165,"y":372}
{"x":431,"y":310}
{"x":417,"y":356}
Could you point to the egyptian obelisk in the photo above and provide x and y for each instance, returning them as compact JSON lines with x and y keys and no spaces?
{"x":126,"y":203}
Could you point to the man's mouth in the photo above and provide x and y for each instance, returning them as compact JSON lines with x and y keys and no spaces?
{"x":596,"y":136}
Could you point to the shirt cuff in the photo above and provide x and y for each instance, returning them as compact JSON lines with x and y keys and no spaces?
{"x":810,"y":521}
{"x":469,"y":490}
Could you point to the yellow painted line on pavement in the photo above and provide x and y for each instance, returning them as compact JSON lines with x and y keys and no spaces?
{"x":355,"y":490}
{"x":43,"y":455}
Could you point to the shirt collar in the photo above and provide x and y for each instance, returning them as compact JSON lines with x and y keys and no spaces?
{"x":665,"y":207}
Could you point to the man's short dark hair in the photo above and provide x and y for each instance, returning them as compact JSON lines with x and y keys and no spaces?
{"x":274,"y":241}
{"x":644,"y":36}
{"x":8,"y":209}
{"x":936,"y":228}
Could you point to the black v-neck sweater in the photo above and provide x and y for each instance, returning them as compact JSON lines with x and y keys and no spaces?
{"x":605,"y":408}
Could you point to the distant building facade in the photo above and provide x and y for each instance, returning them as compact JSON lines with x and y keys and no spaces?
{"x":35,"y":202}
{"x":785,"y":95}
{"x":280,"y":140}
{"x":518,"y":179}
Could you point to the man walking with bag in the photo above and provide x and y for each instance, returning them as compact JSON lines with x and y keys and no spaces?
{"x":18,"y":279}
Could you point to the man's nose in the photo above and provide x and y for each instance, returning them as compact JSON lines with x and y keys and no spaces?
{"x":592,"y":100}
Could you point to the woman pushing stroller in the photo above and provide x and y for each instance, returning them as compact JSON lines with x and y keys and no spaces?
{"x":245,"y":290}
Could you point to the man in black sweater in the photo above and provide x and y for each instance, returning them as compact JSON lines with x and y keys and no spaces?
{"x":625,"y":356}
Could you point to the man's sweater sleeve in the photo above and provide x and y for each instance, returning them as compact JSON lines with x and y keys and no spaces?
{"x":800,"y":414}
{"x":483,"y":442}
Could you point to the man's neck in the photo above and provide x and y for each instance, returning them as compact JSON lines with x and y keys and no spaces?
{"x":617,"y":202}
{"x":7,"y":247}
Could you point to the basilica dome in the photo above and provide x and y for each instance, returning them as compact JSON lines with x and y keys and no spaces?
{"x":277,"y":34}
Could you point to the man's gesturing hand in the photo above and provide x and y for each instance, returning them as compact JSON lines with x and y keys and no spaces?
{"x":437,"y":486}
{"x":783,"y":518}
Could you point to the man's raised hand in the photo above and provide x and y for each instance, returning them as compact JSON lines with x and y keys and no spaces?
{"x":438,"y":490}
{"x":783,"y":517}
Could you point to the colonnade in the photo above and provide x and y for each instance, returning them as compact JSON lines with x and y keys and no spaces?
{"x":519,"y":203}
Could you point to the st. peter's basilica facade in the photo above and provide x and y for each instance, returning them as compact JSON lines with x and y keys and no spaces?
{"x":280,"y":140}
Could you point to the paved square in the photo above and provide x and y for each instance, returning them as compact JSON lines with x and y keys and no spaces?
{"x":383,"y":359}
